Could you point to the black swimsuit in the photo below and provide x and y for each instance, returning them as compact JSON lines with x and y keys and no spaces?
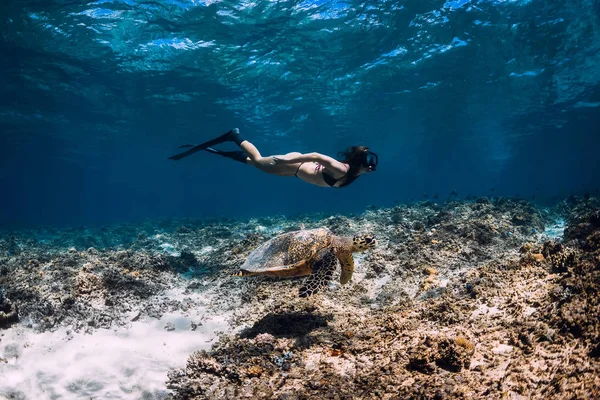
{"x":330,"y":180}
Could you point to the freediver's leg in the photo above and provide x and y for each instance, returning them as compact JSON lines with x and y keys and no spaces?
{"x":263,"y":164}
{"x":251,"y":151}
{"x":252,"y":156}
{"x":256,"y":159}
{"x":234,"y":155}
{"x":231,"y":136}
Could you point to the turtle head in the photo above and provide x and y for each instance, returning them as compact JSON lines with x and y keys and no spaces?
{"x":363,"y":243}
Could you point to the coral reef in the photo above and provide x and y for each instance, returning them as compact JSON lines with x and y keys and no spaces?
{"x":467,"y":299}
{"x":454,"y":307}
{"x":8,"y":311}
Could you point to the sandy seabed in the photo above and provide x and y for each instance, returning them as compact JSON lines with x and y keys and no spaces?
{"x":487,"y":298}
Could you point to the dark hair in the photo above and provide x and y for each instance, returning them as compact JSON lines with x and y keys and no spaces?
{"x":353,"y":156}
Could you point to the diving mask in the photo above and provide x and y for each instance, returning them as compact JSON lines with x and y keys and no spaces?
{"x":370,"y":160}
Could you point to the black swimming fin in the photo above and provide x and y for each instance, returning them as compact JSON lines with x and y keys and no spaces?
{"x":238,"y":155}
{"x":231,"y":136}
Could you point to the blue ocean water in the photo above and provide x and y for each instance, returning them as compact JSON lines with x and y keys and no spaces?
{"x":453,"y":95}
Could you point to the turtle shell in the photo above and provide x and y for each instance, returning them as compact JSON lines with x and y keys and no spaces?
{"x":287,"y":249}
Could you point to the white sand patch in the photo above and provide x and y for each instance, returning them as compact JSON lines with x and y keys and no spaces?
{"x":529,"y":311}
{"x":502,"y":349}
{"x":169,"y":249}
{"x":126,"y":363}
{"x":379,"y":283}
{"x":205,"y":250}
{"x":555,"y":230}
{"x":487,"y":311}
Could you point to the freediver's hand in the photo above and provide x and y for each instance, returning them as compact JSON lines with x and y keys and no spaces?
{"x":276,"y":160}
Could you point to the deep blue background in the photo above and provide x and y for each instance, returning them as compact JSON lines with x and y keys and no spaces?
{"x":458,"y":95}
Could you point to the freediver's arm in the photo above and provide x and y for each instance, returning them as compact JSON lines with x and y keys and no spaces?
{"x":328,"y":162}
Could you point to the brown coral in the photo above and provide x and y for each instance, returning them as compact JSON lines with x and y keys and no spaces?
{"x":8,"y":312}
{"x":514,"y":326}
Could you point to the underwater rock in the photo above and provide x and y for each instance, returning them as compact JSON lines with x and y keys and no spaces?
{"x":577,"y":292}
{"x":8,"y":311}
{"x":583,"y":227}
{"x":452,"y":354}
{"x":447,"y":306}
{"x":384,"y":338}
{"x":88,"y":290}
{"x":559,"y":256}
{"x":212,"y":375}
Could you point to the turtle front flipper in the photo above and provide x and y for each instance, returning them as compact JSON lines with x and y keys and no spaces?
{"x":347,"y":263}
{"x":322,"y":271}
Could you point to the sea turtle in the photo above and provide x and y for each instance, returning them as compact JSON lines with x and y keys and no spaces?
{"x":313,"y":253}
